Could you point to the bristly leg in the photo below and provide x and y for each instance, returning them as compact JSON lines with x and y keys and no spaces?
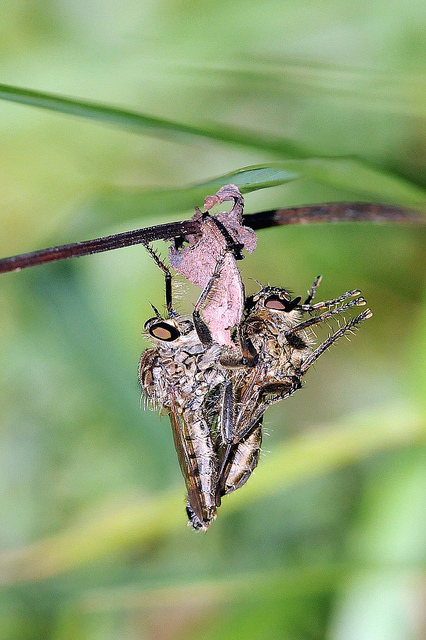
{"x":358,"y":302}
{"x":234,"y":247}
{"x":168,"y":279}
{"x":277,"y":371}
{"x":201,"y":327}
{"x":242,"y":432}
{"x":329,"y":303}
{"x":347,"y":328}
{"x":313,"y":290}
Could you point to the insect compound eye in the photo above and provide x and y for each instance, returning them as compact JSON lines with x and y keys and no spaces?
{"x":274,"y":302}
{"x":278,"y":304}
{"x":164,"y":331}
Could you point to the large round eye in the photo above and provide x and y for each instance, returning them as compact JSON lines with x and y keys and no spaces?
{"x":277,"y":304}
{"x":274,"y":302}
{"x":164,"y":331}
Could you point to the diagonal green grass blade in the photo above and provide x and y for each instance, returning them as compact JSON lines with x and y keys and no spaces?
{"x":148,"y":125}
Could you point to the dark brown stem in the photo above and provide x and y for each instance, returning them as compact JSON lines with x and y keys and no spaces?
{"x":335,"y":212}
{"x":106,"y":243}
{"x":331,"y":212}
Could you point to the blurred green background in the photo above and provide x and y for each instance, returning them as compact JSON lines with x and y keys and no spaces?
{"x":327,"y":538}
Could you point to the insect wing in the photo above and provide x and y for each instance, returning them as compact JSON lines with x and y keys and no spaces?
{"x":198,"y":464}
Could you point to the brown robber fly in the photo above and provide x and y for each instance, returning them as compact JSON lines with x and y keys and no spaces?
{"x":215,"y":372}
{"x":275,"y":348}
{"x":179,"y":375}
{"x":216,"y":395}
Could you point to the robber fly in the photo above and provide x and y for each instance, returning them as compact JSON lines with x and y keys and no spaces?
{"x":274,"y":351}
{"x":216,"y":396}
{"x":181,"y":374}
{"x":216,"y":371}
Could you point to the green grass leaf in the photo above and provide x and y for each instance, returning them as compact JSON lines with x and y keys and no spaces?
{"x":148,"y":125}
{"x":345,"y":173}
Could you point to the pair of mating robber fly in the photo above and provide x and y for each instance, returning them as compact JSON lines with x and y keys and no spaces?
{"x":216,"y":394}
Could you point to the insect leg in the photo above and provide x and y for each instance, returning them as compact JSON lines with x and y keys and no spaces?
{"x":168,"y":279}
{"x":242,"y":451}
{"x":231,"y":245}
{"x":272,"y":394}
{"x":266,"y":395}
{"x":246,"y":355}
{"x":312,"y":291}
{"x":329,"y":303}
{"x":227,"y":416}
{"x":200,"y":326}
{"x":347,"y":328}
{"x":232,"y":194}
{"x":358,"y":302}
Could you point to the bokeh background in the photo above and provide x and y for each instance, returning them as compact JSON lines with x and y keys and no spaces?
{"x":326,"y":541}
